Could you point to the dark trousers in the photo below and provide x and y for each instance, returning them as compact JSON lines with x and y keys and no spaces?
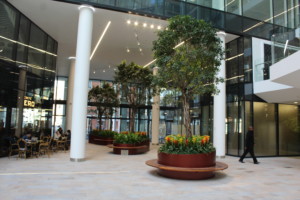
{"x":251,"y":151}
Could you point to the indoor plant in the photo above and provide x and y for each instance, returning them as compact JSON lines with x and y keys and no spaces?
{"x":188,"y":53}
{"x":182,"y":151}
{"x":132,"y":143}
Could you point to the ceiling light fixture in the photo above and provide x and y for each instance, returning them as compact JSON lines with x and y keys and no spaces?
{"x":141,"y":49}
{"x":296,"y":102}
{"x":158,"y":27}
{"x":104,"y":70}
{"x":127,"y":50}
{"x":128,"y":22}
{"x":144,"y":25}
{"x":138,"y":43}
{"x":101,"y":37}
{"x":152,"y":26}
{"x":136,"y":23}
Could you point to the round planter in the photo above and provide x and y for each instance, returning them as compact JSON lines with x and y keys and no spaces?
{"x":100,"y":140}
{"x":187,"y":160}
{"x":130,"y":149}
{"x":124,"y":145}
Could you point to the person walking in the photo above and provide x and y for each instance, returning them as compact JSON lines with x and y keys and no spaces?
{"x":249,"y":147}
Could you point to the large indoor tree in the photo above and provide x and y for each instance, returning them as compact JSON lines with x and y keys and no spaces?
{"x":135,"y":83}
{"x":188,"y":54}
{"x":106,"y":99}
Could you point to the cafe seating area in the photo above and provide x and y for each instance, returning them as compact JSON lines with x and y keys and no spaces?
{"x":37,"y":147}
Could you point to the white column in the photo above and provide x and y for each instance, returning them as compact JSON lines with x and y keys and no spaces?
{"x":70,"y":93}
{"x":155,"y":115}
{"x":220,"y":108}
{"x":81,"y":78}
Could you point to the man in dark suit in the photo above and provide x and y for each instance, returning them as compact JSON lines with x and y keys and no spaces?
{"x":249,"y":146}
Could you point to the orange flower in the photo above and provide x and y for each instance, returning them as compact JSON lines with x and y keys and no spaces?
{"x":168,"y":139}
{"x":175,"y":142}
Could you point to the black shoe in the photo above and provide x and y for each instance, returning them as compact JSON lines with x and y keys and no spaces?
{"x":241,"y":161}
{"x":256,"y":162}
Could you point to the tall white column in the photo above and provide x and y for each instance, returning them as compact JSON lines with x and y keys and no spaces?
{"x":155,"y":115}
{"x":220,"y":108}
{"x":70,"y":93}
{"x":81,"y":78}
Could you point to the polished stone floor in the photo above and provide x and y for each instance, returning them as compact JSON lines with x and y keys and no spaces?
{"x":107,"y":176}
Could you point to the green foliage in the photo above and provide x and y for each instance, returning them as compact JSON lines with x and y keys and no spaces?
{"x":186,"y":145}
{"x":135,"y":84}
{"x":104,"y":133}
{"x":190,"y":68}
{"x":130,"y":138}
{"x":105,"y":99}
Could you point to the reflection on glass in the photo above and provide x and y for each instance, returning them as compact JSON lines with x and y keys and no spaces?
{"x":264,"y":129}
{"x":289,"y":130}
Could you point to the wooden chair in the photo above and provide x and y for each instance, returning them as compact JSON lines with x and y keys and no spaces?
{"x":22,"y":148}
{"x":13,"y":148}
{"x":61,"y":144}
{"x":44,"y":148}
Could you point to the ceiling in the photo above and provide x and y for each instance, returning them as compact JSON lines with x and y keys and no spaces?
{"x":60,"y":21}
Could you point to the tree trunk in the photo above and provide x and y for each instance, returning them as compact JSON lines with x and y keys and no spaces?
{"x":186,"y":115}
{"x":131,"y":117}
{"x":100,"y":119}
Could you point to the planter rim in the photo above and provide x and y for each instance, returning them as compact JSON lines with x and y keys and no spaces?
{"x":187,"y":153}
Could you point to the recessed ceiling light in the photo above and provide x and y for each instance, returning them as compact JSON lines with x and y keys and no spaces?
{"x":94,"y":72}
{"x":109,"y":66}
{"x":158,"y":27}
{"x":104,"y":70}
{"x":128,"y":22}
{"x":136,"y":23}
{"x":152,"y":26}
{"x":144,"y":25}
{"x":127,"y":50}
{"x":141,"y":49}
{"x":296,"y":102}
{"x":135,"y":35}
{"x":138,"y":43}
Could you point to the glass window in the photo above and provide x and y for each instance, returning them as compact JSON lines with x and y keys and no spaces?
{"x":36,"y":59}
{"x":259,"y":9}
{"x":280,"y":14}
{"x":289,"y":129}
{"x":23,"y":38}
{"x":60,"y":89}
{"x":233,"y":6}
{"x":7,"y":29}
{"x":233,"y":127}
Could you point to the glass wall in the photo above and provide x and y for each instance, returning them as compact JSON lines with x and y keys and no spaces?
{"x":289,"y":130}
{"x":27,"y":72}
{"x":264,"y":129}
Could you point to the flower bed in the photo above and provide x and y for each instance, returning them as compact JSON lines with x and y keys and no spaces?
{"x":134,"y":143}
{"x":190,"y":158}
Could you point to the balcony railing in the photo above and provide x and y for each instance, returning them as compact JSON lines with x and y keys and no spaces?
{"x":164,"y":9}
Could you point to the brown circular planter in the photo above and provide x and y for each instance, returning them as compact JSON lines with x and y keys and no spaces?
{"x":100,"y":140}
{"x":186,"y":175}
{"x":132,"y":149}
{"x":124,"y":145}
{"x":187,"y":160}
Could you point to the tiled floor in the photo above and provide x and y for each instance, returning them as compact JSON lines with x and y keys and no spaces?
{"x":107,"y":176}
